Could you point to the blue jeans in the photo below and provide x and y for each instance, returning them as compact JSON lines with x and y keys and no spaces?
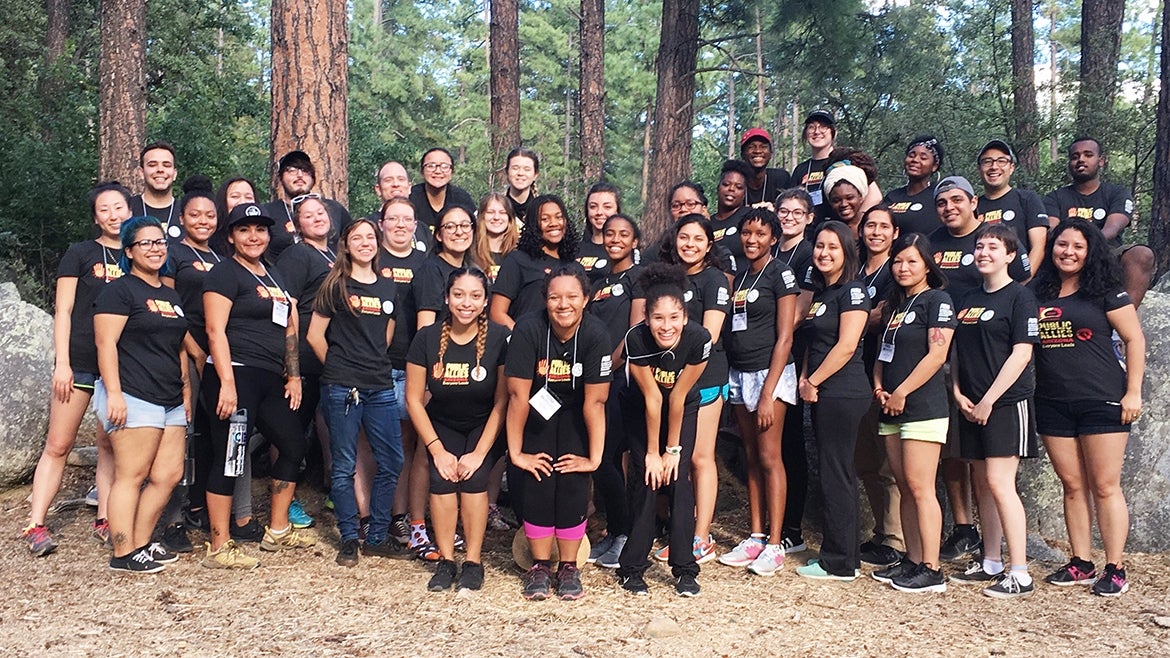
{"x":376,"y":411}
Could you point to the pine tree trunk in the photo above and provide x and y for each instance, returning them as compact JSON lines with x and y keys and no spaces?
{"x":504,"y":55}
{"x":310,"y":85}
{"x":56,"y":28}
{"x":1159,"y":238}
{"x":122,"y":90}
{"x":670,"y":143}
{"x":1024,"y":86}
{"x":1100,"y":50}
{"x":592,"y":94}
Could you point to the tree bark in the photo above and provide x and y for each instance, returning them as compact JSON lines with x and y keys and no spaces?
{"x":1159,"y":236}
{"x":592,"y":94}
{"x":674,"y":111}
{"x":1024,"y":86}
{"x":56,"y":29}
{"x":310,"y":85}
{"x":121,"y":90}
{"x":1100,"y":50}
{"x":504,"y":62}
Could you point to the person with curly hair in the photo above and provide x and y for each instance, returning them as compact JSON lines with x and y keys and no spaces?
{"x":549,"y":239}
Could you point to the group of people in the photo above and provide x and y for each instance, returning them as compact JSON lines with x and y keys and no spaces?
{"x":927,"y":330}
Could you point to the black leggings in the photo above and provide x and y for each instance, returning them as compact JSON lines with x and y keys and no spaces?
{"x":557,"y":500}
{"x":795,"y":458}
{"x":609,"y":479}
{"x":835,"y":422}
{"x":261,"y":392}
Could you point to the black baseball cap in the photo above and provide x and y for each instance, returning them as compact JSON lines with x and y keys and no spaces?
{"x":999,"y":145}
{"x":249,"y":213}
{"x":298,"y":159}
{"x":821,"y":116}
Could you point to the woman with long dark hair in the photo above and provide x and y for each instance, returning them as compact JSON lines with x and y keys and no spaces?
{"x":548,"y":240}
{"x":602,"y":201}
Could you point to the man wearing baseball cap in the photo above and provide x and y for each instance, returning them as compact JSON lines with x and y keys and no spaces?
{"x":1000,"y":202}
{"x":297,"y":179}
{"x":755,"y":148}
{"x":820,"y":133}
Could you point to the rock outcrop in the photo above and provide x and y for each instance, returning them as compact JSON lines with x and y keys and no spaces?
{"x":26,"y":365}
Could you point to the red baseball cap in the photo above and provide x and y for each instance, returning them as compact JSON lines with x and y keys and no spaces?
{"x":756,"y":133}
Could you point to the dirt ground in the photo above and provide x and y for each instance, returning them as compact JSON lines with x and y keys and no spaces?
{"x":302,"y":603}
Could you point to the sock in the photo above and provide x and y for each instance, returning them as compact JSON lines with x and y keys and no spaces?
{"x":1020,"y":573}
{"x":564,"y":564}
{"x":280,"y":533}
{"x":547,"y":564}
{"x":760,"y":537}
{"x":418,"y":532}
{"x":992,"y":567}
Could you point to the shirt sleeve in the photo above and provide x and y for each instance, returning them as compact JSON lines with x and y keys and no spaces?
{"x":1035,"y":214}
{"x":294,"y":272}
{"x":940,"y":311}
{"x":1117,"y":299}
{"x":114,"y":300}
{"x":853,"y":297}
{"x":509,"y":279}
{"x":222,"y":281}
{"x":785,"y":282}
{"x":597,"y":360}
{"x":1025,"y":318}
{"x":70,"y":265}
{"x":1052,"y":204}
{"x":701,"y":347}
{"x":428,"y":289}
{"x":715,"y":293}
{"x":417,"y":352}
{"x":521,"y":360}
{"x":1118,"y":200}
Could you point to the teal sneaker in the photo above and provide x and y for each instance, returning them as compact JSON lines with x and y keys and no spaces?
{"x":298,"y":517}
{"x":815,"y":571}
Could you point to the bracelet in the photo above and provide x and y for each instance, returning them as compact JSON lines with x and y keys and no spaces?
{"x":428,"y":444}
{"x":674,"y":450}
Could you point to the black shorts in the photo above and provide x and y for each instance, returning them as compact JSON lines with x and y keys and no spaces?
{"x":84,"y":381}
{"x":1010,"y":432}
{"x":1078,"y":418}
{"x":458,"y":443}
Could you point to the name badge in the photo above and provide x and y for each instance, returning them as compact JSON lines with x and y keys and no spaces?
{"x":817,"y":197}
{"x":280,"y":313}
{"x":545,"y":403}
{"x":886,"y":354}
{"x":739,"y":321}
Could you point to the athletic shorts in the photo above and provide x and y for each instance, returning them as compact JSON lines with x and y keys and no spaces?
{"x":1073,"y":419}
{"x":744,"y":387}
{"x":458,"y":443}
{"x":711,"y":394}
{"x":139,"y":412}
{"x":1010,"y":432}
{"x":933,"y":430}
{"x":83,"y":381}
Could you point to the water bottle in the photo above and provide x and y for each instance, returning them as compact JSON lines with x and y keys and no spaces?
{"x":237,"y":444}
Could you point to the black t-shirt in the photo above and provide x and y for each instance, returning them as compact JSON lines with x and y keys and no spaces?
{"x":756,"y":297}
{"x":401,"y":271}
{"x":430,"y":284}
{"x":909,"y":332}
{"x":809,"y":175}
{"x":1065,"y":202}
{"x":494,"y":268}
{"x":284,"y":233}
{"x":956,"y":258}
{"x":463,"y":388}
{"x":520,"y":278}
{"x":877,"y":286}
{"x":1076,"y":359}
{"x":535,"y":354}
{"x":824,"y":320}
{"x":423,"y":238}
{"x":612,"y":296}
{"x":1020,"y":209}
{"x":708,"y":291}
{"x":799,"y":260}
{"x":776,"y":180}
{"x":189,"y":266}
{"x":148,"y":350}
{"x":254,"y":338}
{"x":520,"y":209}
{"x":693,"y":348}
{"x":594,"y":258}
{"x":94,"y":266}
{"x":168,"y":215}
{"x":914,"y":213}
{"x":357,"y":354}
{"x":302,"y":269}
{"x":727,"y":237}
{"x":428,"y":216}
{"x":990,"y":325}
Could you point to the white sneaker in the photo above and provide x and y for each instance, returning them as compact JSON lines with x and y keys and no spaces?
{"x":744,"y":553}
{"x":768,"y":562}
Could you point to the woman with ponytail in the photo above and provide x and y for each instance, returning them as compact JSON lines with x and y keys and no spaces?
{"x":460,"y":363}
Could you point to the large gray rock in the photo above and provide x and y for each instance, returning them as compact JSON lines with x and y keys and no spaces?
{"x":26,"y":365}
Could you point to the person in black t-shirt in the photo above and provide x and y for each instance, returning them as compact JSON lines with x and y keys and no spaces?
{"x":765,"y":183}
{"x":231,"y":193}
{"x":521,"y":168}
{"x":297,"y":179}
{"x":911,"y":204}
{"x":496,"y":233}
{"x":1085,"y":400}
{"x":729,"y":209}
{"x":1000,"y":202}
{"x":454,"y":235}
{"x":820,"y":131}
{"x":1108,"y":206}
{"x":459,"y":362}
{"x":143,"y":397}
{"x":393,"y":184}
{"x":762,"y":381}
{"x":845,"y":187}
{"x":601,"y":201}
{"x":156,"y":165}
{"x":548,"y":240}
{"x":917,"y":326}
{"x":991,"y":365}
{"x":833,"y":381}
{"x":85,"y":269}
{"x":350,"y":331}
{"x":666,"y":355}
{"x":558,"y":370}
{"x":436,"y":193}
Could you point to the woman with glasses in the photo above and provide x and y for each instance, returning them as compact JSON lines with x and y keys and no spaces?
{"x":548,"y":239}
{"x":436,"y":193}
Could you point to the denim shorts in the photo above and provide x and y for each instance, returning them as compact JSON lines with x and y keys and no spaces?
{"x":139,"y":412}
{"x":745,"y":387}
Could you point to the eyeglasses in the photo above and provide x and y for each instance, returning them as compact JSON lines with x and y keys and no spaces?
{"x":398,"y":219}
{"x":147,"y":244}
{"x":304,"y":197}
{"x":795,"y":214}
{"x":437,"y":166}
{"x":1001,"y":161}
{"x":688,"y":205}
{"x":456,"y":228}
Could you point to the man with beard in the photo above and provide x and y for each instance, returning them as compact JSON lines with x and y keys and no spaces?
{"x":1108,"y":206}
{"x":156,"y":164}
{"x":767,"y":182}
{"x":297,"y":178}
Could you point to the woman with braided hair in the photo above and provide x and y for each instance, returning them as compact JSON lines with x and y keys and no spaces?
{"x":460,"y":362}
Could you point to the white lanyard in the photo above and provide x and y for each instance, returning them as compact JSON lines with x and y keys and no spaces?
{"x":275,"y":284}
{"x":906,"y":310}
{"x":631,"y":357}
{"x":106,"y":258}
{"x":548,"y":357}
{"x":751,"y":288}
{"x":200,"y":257}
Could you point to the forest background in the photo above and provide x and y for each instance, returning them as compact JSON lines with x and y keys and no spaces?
{"x":419,"y":74}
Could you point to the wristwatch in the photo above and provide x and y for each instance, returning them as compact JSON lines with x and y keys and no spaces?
{"x":674,"y":450}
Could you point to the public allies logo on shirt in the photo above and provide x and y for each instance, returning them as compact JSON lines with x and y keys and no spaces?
{"x":270,"y":292}
{"x":370,"y":305}
{"x":107,"y":271}
{"x":953,"y":259}
{"x":398,"y":274}
{"x":1056,"y":332}
{"x":164,"y":308}
{"x":451,"y":374}
{"x":558,"y":371}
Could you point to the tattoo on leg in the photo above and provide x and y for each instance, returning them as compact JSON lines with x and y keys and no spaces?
{"x":278,"y":486}
{"x":120,"y":539}
{"x":216,"y":532}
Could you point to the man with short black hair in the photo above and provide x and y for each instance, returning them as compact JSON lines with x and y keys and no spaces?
{"x":156,"y":165}
{"x":297,"y":179}
{"x":766,"y":183}
{"x":820,"y":133}
{"x":1000,"y":202}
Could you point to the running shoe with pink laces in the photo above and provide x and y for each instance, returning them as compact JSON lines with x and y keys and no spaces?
{"x":744,"y":554}
{"x":769,"y":561}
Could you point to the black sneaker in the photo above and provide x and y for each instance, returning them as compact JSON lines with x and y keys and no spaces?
{"x":903,"y":567}
{"x":879,"y":555}
{"x":1076,"y":572}
{"x":251,"y":531}
{"x":160,"y":554}
{"x":364,"y":526}
{"x":388,"y":547}
{"x":1112,"y":582}
{"x":569,"y":583}
{"x":635,"y":584}
{"x":197,"y":519}
{"x":922,"y":579}
{"x":470,"y":576}
{"x":686,"y":585}
{"x":444,"y":576}
{"x":1009,"y":587}
{"x":975,"y":575}
{"x":347,"y":555}
{"x":136,"y":562}
{"x":175,"y":538}
{"x":537,"y":583}
{"x":400,"y":528}
{"x":964,"y":540}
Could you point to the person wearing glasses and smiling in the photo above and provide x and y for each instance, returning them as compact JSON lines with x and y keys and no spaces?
{"x":1023,"y":210}
{"x":435,"y":195}
{"x":297,"y":179}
